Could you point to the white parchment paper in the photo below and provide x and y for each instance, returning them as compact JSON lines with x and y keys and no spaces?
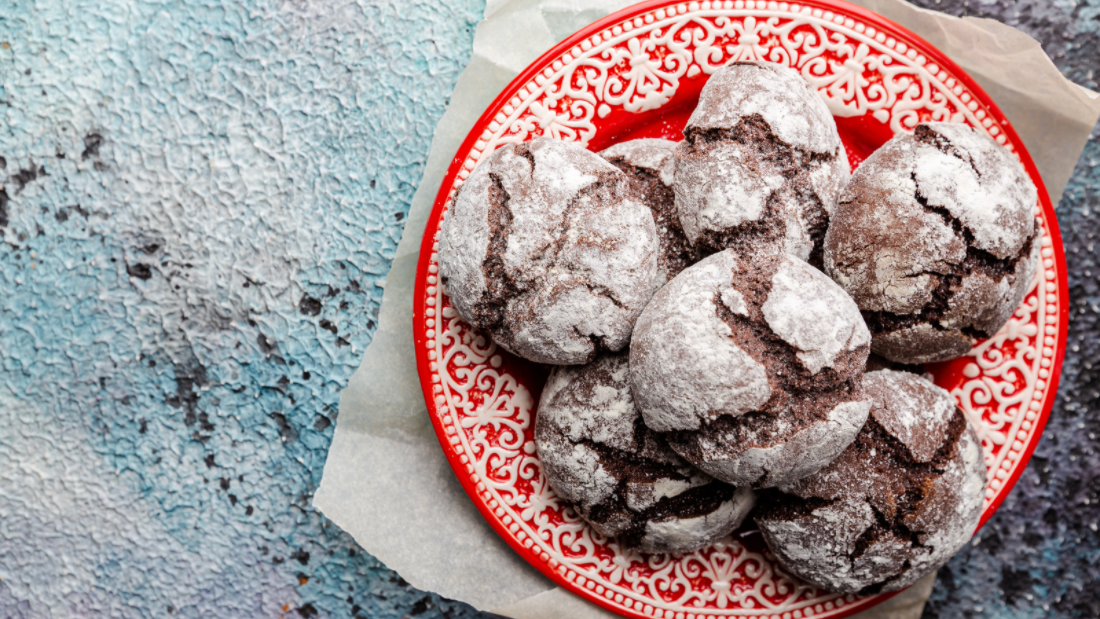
{"x":387,"y":482}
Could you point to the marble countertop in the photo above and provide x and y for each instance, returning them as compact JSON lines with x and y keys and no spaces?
{"x":199,"y":208}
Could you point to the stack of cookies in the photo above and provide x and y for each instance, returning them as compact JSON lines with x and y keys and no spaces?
{"x":710,"y":307}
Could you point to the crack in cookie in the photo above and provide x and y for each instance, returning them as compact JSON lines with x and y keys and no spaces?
{"x":650,"y":165}
{"x":621,"y":476}
{"x":790,"y":347}
{"x":934,"y":239}
{"x":761,"y":162}
{"x":895,"y":506}
{"x":546,"y":247}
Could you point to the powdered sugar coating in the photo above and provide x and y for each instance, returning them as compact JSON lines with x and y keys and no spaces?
{"x":676,"y":534}
{"x":883,"y":247}
{"x":545,"y":247}
{"x":652,"y":154}
{"x":981,"y":184}
{"x":985,"y":302}
{"x":800,"y":291}
{"x":622,"y":478}
{"x":795,"y":113}
{"x":755,"y":382}
{"x":820,"y":545}
{"x":650,"y":164}
{"x":911,"y":412}
{"x":592,"y":403}
{"x":802,"y":452}
{"x":935,"y":240}
{"x":762,"y":160}
{"x":680,"y":344}
{"x":578,"y":475}
{"x":826,"y":179}
{"x":722,"y":191}
{"x":922,"y":343}
{"x":875,"y":499}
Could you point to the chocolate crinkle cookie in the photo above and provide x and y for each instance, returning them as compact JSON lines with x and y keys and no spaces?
{"x":650,"y":164}
{"x":936,"y":241}
{"x":895,"y":506}
{"x":750,"y":366}
{"x":547,"y":248}
{"x":761,"y":162}
{"x":622,"y":477}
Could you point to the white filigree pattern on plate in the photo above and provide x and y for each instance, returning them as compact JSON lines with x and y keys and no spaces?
{"x":637,"y":65}
{"x":1005,"y":390}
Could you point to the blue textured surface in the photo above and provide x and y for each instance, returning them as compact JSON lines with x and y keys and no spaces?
{"x":200,"y":203}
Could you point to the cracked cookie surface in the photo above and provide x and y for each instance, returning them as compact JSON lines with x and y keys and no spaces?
{"x":936,"y":241}
{"x":650,"y":164}
{"x":547,"y":248}
{"x":750,"y":366}
{"x":622,"y":477}
{"x":761,"y":162}
{"x":895,"y":506}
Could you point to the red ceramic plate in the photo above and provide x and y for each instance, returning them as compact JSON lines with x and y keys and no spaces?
{"x":638,"y":73}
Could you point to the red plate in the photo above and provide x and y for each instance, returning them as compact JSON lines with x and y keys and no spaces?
{"x":638,"y":73}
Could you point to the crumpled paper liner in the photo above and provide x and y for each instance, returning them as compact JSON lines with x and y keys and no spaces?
{"x":387,"y":482}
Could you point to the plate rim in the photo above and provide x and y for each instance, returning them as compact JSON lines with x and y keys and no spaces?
{"x":881,"y":23}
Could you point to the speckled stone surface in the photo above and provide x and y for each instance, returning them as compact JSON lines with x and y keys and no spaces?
{"x":200,"y":204}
